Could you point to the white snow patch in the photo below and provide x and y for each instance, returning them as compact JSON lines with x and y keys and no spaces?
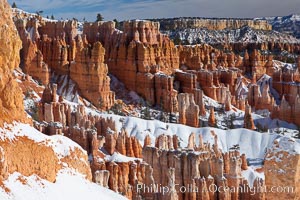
{"x":117,"y":157}
{"x":68,"y":185}
{"x":251,"y":175}
{"x":253,"y":144}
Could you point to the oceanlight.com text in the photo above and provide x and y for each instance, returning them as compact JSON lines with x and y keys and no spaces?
{"x":158,"y":188}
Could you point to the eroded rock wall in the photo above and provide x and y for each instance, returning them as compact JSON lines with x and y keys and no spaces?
{"x":11,"y":101}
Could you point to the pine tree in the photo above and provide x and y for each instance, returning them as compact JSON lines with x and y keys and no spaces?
{"x":99,"y":17}
{"x":39,"y":13}
{"x":117,"y":23}
{"x":297,"y":135}
{"x":177,"y":40}
{"x":52,"y":17}
{"x":14,"y":5}
{"x":146,"y":113}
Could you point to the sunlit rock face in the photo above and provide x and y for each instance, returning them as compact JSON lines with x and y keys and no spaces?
{"x":11,"y":103}
{"x":135,"y":54}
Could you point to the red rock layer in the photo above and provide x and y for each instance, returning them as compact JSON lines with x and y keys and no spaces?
{"x":29,"y":157}
{"x":136,"y":54}
{"x":52,"y":46}
{"x":213,"y":24}
{"x":260,"y":100}
{"x":59,"y":117}
{"x":285,"y":83}
{"x":287,"y":112}
{"x":194,"y":170}
{"x":62,"y":29}
{"x":188,"y":110}
{"x":166,"y":95}
{"x":90,"y":73}
{"x":248,"y":120}
{"x":32,"y":60}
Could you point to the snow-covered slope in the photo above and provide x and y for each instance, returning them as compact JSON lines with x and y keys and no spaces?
{"x":252,"y":143}
{"x":66,"y":87}
{"x":267,"y":80}
{"x":244,"y":34}
{"x":289,"y":24}
{"x":68,"y":185}
{"x":60,"y":144}
{"x":17,"y":12}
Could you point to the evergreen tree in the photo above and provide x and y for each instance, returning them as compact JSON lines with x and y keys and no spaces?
{"x":117,"y":23}
{"x":39,"y":13}
{"x":52,"y":17}
{"x":99,"y":17}
{"x":177,"y":40}
{"x":14,"y":5}
{"x":117,"y":109}
{"x":145,"y":112}
{"x":297,"y":135}
{"x":230,"y":121}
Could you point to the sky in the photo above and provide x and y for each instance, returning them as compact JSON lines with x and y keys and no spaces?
{"x":137,"y":9}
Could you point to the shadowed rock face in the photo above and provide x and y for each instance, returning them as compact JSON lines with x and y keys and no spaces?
{"x":11,"y":102}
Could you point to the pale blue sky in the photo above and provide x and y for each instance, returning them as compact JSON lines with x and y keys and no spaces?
{"x":137,"y":9}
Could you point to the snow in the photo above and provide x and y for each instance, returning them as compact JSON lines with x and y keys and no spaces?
{"x":282,"y":65}
{"x":289,"y":24}
{"x":61,"y":145}
{"x":28,"y":103}
{"x":68,"y":185}
{"x":30,"y":31}
{"x":117,"y":157}
{"x":244,"y":34}
{"x":241,"y":87}
{"x":265,"y":79}
{"x":66,"y":87}
{"x":253,"y":144}
{"x":31,"y":15}
{"x":287,"y":144}
{"x":251,"y":175}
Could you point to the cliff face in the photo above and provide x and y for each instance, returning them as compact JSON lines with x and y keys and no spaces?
{"x":32,"y":60}
{"x":90,"y":73}
{"x":136,"y":54}
{"x":56,"y":46}
{"x":243,"y":35}
{"x":24,"y":149}
{"x":11,"y":102}
{"x":213,"y":24}
{"x":220,"y":31}
{"x":27,"y":151}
